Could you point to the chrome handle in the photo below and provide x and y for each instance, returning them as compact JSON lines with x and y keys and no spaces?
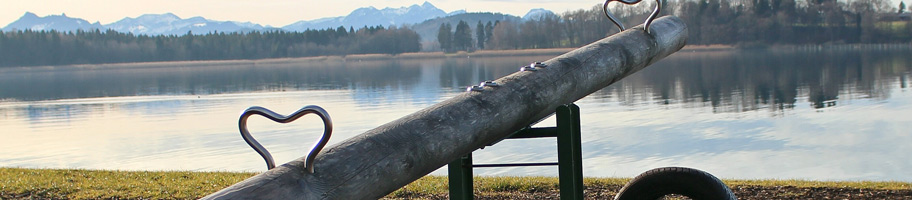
{"x":270,"y":163}
{"x":620,"y":25}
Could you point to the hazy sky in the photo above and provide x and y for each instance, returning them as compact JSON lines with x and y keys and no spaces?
{"x":270,"y":12}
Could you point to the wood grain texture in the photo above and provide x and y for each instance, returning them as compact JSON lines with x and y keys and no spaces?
{"x":381,"y":160}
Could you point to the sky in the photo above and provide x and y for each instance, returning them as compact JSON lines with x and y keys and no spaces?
{"x":276,"y":13}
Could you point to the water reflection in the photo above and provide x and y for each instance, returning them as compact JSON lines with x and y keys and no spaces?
{"x":739,"y":81}
{"x":730,"y":81}
{"x":423,"y":77}
{"x":822,"y":115}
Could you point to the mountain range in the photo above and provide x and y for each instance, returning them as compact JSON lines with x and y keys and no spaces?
{"x":370,"y":16}
{"x":55,"y":22}
{"x":170,"y":24}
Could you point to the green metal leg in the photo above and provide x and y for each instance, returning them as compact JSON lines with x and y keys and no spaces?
{"x":460,"y":178}
{"x":569,"y":157}
{"x":569,"y":152}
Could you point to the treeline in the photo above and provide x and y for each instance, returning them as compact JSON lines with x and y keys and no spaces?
{"x":461,"y":39}
{"x":748,"y":23}
{"x":33,"y":48}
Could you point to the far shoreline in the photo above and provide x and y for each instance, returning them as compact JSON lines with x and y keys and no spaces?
{"x":431,"y":55}
{"x":352,"y":57}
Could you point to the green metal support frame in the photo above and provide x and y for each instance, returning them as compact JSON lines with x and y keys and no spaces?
{"x":569,"y":157}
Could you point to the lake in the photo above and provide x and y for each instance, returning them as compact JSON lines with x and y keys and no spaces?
{"x":815,"y":114}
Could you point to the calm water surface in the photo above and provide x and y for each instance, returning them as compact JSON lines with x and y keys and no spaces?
{"x":784,"y":114}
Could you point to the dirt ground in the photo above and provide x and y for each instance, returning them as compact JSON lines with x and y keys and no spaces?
{"x":742,"y":192}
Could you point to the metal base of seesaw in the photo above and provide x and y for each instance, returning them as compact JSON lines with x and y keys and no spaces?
{"x":569,"y":157}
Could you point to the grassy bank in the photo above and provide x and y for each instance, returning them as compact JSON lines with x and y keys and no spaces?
{"x":95,"y":184}
{"x":18,"y":183}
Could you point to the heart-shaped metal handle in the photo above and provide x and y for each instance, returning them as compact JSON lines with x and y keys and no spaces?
{"x":620,"y":25}
{"x":270,"y":163}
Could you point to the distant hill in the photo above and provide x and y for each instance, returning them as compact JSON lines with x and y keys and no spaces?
{"x":170,"y":24}
{"x":61,"y":22}
{"x":424,"y":19}
{"x":428,"y":29}
{"x":148,"y":24}
{"x":370,"y":16}
{"x":538,"y":13}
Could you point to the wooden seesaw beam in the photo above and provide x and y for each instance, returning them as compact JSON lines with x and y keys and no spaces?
{"x":386,"y":158}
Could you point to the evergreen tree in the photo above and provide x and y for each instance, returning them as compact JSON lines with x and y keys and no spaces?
{"x":902,"y":7}
{"x":2,"y":43}
{"x":445,"y":37}
{"x":462,"y":38}
{"x":341,"y":31}
{"x":479,"y":35}
{"x":489,"y":31}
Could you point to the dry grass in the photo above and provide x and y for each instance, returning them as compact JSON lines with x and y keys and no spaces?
{"x":19,"y":183}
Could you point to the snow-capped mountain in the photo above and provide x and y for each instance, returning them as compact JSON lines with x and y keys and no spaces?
{"x":170,"y":24}
{"x":148,"y":24}
{"x":370,"y":16}
{"x":51,"y":22}
{"x":321,"y":23}
{"x":456,"y":12}
{"x":538,"y":13}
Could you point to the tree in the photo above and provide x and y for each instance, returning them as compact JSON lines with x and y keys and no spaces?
{"x":761,"y":7}
{"x":445,"y":37}
{"x":505,"y":36}
{"x":902,"y":7}
{"x":479,"y":35}
{"x":489,"y":31}
{"x":3,"y":46}
{"x":462,"y":38}
{"x":341,"y":31}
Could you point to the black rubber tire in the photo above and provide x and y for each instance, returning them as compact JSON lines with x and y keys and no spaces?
{"x":693,"y":183}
